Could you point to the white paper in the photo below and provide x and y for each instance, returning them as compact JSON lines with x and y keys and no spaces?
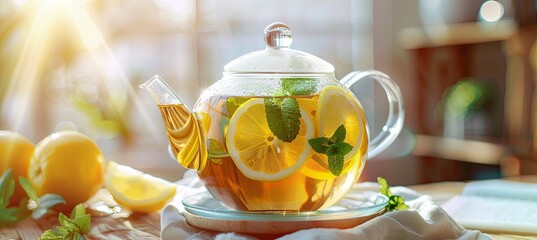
{"x":496,"y":206}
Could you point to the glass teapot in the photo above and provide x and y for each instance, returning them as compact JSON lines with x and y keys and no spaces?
{"x":278,"y":132}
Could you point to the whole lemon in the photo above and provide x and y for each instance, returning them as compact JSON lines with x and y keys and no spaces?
{"x":15,"y":153}
{"x":69,"y":164}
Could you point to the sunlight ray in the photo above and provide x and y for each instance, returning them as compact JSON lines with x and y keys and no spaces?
{"x":23,"y":82}
{"x":93,"y":39}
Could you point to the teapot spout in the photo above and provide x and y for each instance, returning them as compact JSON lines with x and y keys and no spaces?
{"x":160,"y":91}
{"x":185,"y":131}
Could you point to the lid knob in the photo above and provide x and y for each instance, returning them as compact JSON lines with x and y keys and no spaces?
{"x":278,"y":35}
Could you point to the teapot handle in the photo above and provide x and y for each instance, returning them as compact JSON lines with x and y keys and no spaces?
{"x":396,"y":115}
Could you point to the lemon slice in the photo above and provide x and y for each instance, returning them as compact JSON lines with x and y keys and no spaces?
{"x":257,"y":152}
{"x":138,"y":191}
{"x":335,"y":107}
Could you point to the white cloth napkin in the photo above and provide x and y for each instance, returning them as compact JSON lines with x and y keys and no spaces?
{"x":425,"y":220}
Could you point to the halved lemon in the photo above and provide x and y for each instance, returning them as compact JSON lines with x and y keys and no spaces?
{"x":257,"y":152}
{"x":136,"y":190}
{"x":336,"y":107}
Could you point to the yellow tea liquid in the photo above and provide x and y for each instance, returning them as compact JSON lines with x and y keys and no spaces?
{"x":186,"y":136}
{"x":310,"y":187}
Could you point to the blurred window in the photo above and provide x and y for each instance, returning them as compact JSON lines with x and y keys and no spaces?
{"x":78,"y":63}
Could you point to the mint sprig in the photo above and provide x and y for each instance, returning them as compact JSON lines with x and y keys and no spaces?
{"x":35,"y":206}
{"x":395,"y":202}
{"x":283,"y":114}
{"x":334,"y":148}
{"x":76,"y":227}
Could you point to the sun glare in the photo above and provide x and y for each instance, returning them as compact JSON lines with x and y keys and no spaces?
{"x":48,"y":17}
{"x":491,"y":11}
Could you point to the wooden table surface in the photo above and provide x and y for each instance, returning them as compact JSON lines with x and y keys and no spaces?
{"x":129,"y":226}
{"x":123,"y":225}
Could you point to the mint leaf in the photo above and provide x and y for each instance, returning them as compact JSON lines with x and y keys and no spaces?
{"x":283,"y":117}
{"x":283,"y":114}
{"x":334,"y":148}
{"x":51,"y":235}
{"x":75,"y":227}
{"x":319,"y":144}
{"x":45,"y":203}
{"x":335,"y":163}
{"x":7,"y":216}
{"x":299,"y":86}
{"x":336,"y":156}
{"x":28,"y":188}
{"x":233,"y":103}
{"x":78,"y":211}
{"x":15,"y":214}
{"x":83,"y":223}
{"x":339,"y":135}
{"x":339,"y":149}
{"x":384,"y":187}
{"x":11,"y":215}
{"x":67,"y":223}
{"x":395,"y":202}
{"x":7,"y":187}
{"x":63,"y":231}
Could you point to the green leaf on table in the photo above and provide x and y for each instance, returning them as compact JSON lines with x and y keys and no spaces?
{"x":78,"y":211}
{"x":7,"y":216}
{"x":28,"y":188}
{"x":81,"y":219}
{"x":395,"y":202}
{"x":45,"y":203}
{"x":67,"y":223}
{"x":7,"y":187}
{"x":51,"y":235}
{"x":12,"y":215}
{"x":74,"y":228}
{"x":384,"y":187}
{"x":83,"y":223}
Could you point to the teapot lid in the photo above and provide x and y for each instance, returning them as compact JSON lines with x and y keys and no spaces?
{"x":278,"y":57}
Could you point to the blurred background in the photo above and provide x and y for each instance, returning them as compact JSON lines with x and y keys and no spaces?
{"x":467,"y":70}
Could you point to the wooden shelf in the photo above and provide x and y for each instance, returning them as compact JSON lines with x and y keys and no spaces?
{"x":456,"y":34}
{"x":465,"y":150}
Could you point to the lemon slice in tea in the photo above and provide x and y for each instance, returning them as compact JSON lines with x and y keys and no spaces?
{"x":257,"y":152}
{"x":337,"y":107}
{"x":136,"y":190}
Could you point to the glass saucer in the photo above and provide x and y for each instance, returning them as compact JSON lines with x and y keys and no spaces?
{"x":352,"y":206}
